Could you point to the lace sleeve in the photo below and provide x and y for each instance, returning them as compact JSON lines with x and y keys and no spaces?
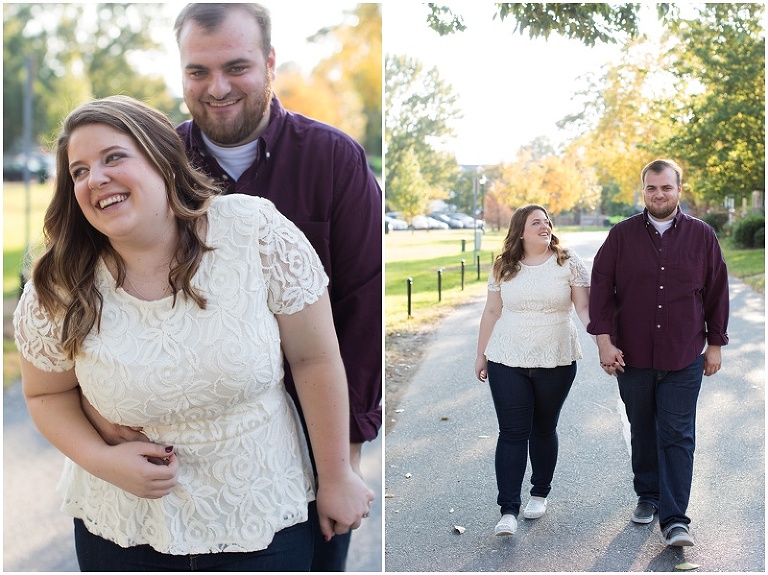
{"x":38,"y":338}
{"x":579,"y":273}
{"x":293,"y":272}
{"x":492,"y":284}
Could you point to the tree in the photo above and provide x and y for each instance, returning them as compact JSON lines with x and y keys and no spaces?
{"x":720,"y":132}
{"x":78,"y":52}
{"x":559,"y":182}
{"x":419,"y":108}
{"x":356,"y":67}
{"x":407,"y":192}
{"x":589,"y":23}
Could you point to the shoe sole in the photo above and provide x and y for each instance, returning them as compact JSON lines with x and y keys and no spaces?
{"x":533,"y":515}
{"x":642,"y":520}
{"x":502,"y":533}
{"x":680,"y":542}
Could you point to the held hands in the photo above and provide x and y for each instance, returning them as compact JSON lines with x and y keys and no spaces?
{"x":611,"y":357}
{"x":342,"y":503}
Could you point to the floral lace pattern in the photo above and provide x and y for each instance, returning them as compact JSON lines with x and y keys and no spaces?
{"x":536,"y":328}
{"x":208,"y":382}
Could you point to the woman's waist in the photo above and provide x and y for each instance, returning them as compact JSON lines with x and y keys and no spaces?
{"x":274,"y":409}
{"x":533,"y":319}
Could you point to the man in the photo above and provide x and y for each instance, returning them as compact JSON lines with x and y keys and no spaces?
{"x":317,"y":176}
{"x":659,"y":297}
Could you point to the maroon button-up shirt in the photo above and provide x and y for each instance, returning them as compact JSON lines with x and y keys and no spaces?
{"x":661,"y":298}
{"x":319,"y":178}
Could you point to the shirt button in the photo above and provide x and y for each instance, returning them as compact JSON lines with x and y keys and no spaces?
{"x":661,"y":287}
{"x":659,"y":307}
{"x":658,"y":327}
{"x":662,"y":268}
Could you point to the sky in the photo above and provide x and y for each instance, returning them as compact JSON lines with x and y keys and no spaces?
{"x":511,"y":89}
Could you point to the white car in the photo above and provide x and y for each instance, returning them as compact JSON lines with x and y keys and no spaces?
{"x":395,"y":224}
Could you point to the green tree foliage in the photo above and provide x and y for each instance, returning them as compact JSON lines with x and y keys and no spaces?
{"x":407,"y":192}
{"x":720,"y":132}
{"x":419,"y":108}
{"x":590,"y":22}
{"x":78,"y":52}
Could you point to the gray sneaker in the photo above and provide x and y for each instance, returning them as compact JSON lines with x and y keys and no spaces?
{"x":644,"y":513}
{"x":678,"y":535}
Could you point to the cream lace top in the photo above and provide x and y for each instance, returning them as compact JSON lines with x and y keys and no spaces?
{"x":535,"y":328}
{"x":209,"y":382}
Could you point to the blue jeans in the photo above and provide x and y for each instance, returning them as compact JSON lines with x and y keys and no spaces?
{"x":661,"y":408}
{"x":528,"y":403}
{"x":290,"y":550}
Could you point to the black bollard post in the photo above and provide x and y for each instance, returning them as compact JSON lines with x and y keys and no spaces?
{"x":478,"y":266}
{"x":410,"y":289}
{"x":463,"y":265}
{"x":463,"y":245}
{"x":440,"y":284}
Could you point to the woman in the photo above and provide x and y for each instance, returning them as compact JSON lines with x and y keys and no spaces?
{"x":171,"y":308}
{"x":527,"y":350}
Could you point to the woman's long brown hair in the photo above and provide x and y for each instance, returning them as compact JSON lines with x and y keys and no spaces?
{"x":64,"y":276}
{"x":507,"y":263}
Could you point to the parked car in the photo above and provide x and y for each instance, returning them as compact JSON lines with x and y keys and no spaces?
{"x":40,"y":166}
{"x":446,"y":219}
{"x":468,"y":221}
{"x":395,"y":223}
{"x":423,"y":222}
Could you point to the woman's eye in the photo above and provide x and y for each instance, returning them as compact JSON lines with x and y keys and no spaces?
{"x":76,"y":173}
{"x":112,"y":158}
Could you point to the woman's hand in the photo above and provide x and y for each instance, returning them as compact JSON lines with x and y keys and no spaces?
{"x":342,"y":503}
{"x":481,"y":367}
{"x":146,"y":470}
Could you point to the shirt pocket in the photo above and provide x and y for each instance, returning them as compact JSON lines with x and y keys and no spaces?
{"x":690,"y":270}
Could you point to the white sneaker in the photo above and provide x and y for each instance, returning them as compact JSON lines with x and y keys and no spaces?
{"x":507,"y":525}
{"x":535,"y":509}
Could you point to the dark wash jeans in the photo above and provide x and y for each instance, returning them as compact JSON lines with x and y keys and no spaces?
{"x":661,"y":408}
{"x":290,"y":550}
{"x":528,"y":403}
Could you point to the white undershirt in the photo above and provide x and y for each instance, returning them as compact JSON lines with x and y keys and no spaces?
{"x":234,"y":160}
{"x":660,"y":226}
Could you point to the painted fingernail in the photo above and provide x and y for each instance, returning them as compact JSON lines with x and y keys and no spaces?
{"x":169,"y":449}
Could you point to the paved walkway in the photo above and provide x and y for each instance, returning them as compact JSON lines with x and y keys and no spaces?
{"x":440,"y":473}
{"x":38,"y":537}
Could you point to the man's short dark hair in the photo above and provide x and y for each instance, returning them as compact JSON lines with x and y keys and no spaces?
{"x":210,"y":17}
{"x":658,"y":166}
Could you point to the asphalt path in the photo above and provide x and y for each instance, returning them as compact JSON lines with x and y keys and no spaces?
{"x":440,"y":506}
{"x":37,"y":536}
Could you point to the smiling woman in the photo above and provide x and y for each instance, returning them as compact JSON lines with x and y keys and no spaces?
{"x":105,"y":349}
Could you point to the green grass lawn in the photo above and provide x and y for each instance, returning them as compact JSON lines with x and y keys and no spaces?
{"x":420,"y":254}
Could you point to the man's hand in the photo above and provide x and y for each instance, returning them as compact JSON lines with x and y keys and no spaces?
{"x":111,"y":433}
{"x":712,"y":360}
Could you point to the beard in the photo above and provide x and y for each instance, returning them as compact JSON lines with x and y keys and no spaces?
{"x":661,"y":213}
{"x":241,"y":128}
